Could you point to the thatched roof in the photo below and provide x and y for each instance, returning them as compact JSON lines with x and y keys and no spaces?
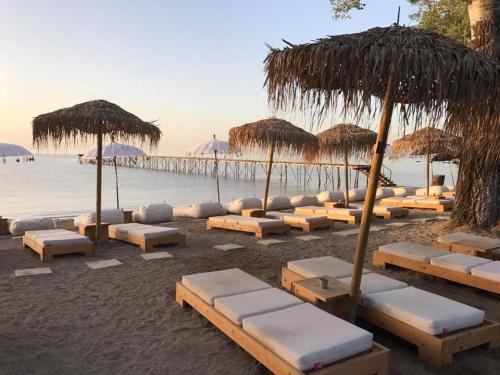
{"x":432,"y":76}
{"x":82,"y":121}
{"x":273,"y":132}
{"x":425,"y":141}
{"x":345,"y":139}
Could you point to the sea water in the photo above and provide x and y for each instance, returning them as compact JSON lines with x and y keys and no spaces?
{"x":58,"y":185}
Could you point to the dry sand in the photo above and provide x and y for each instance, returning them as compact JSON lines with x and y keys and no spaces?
{"x":124,"y":319}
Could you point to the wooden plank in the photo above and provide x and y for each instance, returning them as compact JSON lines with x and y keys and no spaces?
{"x":381,"y":259}
{"x":374,"y":361}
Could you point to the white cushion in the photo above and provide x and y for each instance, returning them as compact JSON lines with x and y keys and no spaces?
{"x":322,"y":266}
{"x":375,"y":282}
{"x":201,"y":210}
{"x":153,"y":232}
{"x":434,"y":201}
{"x":393,"y":200}
{"x":240,"y":306}
{"x":425,"y":311}
{"x":292,"y":218}
{"x":61,"y":239}
{"x":18,"y":227}
{"x":153,"y":213}
{"x":124,"y":228}
{"x":457,"y":237}
{"x":490,"y":271}
{"x":330,"y":196}
{"x":278,"y":203}
{"x":459,"y":262}
{"x":306,"y":336}
{"x":111,"y":216}
{"x":344,"y":211}
{"x":260,"y":222}
{"x":238,"y":205}
{"x":385,"y":192}
{"x":356,"y":195}
{"x":35,"y":233}
{"x":412,"y":251}
{"x":403,"y":191}
{"x":304,"y":200}
{"x":451,"y":187}
{"x":211,"y":285}
{"x":437,"y":190}
{"x":311,"y":210}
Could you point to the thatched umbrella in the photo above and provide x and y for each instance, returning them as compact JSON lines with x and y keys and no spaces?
{"x":344,"y":140}
{"x":425,"y":142}
{"x":276,"y":135}
{"x":97,"y":118}
{"x":426,"y":73}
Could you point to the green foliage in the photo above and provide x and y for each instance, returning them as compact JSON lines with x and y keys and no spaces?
{"x":446,"y":17}
{"x":342,"y":8}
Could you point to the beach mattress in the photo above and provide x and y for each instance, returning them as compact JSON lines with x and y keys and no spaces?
{"x":490,"y":271}
{"x":433,"y":201}
{"x":289,"y":218}
{"x":425,"y":311}
{"x":459,"y":262}
{"x":240,"y":306}
{"x":152,"y":232}
{"x":458,"y":237}
{"x":124,"y":228}
{"x":60,"y":239}
{"x":412,"y":251}
{"x":375,"y":282}
{"x":225,"y":219}
{"x":260,"y":222}
{"x":35,"y":233}
{"x":307,"y":337}
{"x":322,"y":266}
{"x":310,"y":210}
{"x":211,"y":285}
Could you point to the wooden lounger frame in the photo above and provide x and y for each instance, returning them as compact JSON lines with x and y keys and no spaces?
{"x":391,"y":215}
{"x":373,"y":361}
{"x":312,"y":225}
{"x":147,"y":244}
{"x":437,"y":207}
{"x":381,"y":259}
{"x":260,"y":232}
{"x":466,"y":248}
{"x":47,"y":252}
{"x":436,"y":350}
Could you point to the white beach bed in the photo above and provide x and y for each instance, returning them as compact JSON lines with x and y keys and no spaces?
{"x":307,"y":223}
{"x":439,"y":205}
{"x":48,"y":243}
{"x":468,"y":243}
{"x":146,"y":236}
{"x":260,"y":226}
{"x":349,"y":215}
{"x":285,"y":334}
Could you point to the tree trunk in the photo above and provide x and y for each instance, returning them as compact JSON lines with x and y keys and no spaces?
{"x":478,"y":185}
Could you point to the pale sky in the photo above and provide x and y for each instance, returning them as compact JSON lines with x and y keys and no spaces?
{"x":196,"y":66}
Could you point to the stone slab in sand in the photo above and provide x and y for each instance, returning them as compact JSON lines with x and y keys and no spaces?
{"x":98,"y":264}
{"x":309,"y":237}
{"x":157,"y":255}
{"x":398,"y":224}
{"x":270,"y":242}
{"x":32,"y":271}
{"x":228,"y":246}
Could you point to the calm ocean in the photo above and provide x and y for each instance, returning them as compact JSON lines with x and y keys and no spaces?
{"x":57,"y":185}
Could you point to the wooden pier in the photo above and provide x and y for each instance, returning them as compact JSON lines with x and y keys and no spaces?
{"x":322,"y":175}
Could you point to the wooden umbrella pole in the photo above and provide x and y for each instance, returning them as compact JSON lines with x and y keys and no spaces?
{"x":346,"y":176}
{"x":116,"y":184}
{"x":99,"y":184}
{"x":427,"y":174}
{"x":376,"y":165}
{"x":268,"y":177}
{"x":217,"y":175}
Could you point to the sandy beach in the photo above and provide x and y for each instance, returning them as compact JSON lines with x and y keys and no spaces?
{"x":124,"y":319}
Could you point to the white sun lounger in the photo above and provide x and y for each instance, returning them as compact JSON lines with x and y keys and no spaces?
{"x":439,"y":205}
{"x":455,"y":267}
{"x":349,"y":215}
{"x":146,"y":236}
{"x":307,"y":223}
{"x":260,"y":226}
{"x":468,"y":243}
{"x":285,"y":334}
{"x":385,"y":212}
{"x":48,"y":243}
{"x":438,"y":326}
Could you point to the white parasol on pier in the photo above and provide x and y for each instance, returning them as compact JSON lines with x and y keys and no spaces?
{"x":9,"y":149}
{"x":214,"y":147}
{"x":113,"y":151}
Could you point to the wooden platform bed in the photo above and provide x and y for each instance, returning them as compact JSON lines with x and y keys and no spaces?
{"x":468,"y":243}
{"x":146,"y":236}
{"x":383,"y":259}
{"x":307,"y":223}
{"x":261,"y":227}
{"x":346,"y":215}
{"x":367,"y":362}
{"x":434,"y":349}
{"x":385,"y":212}
{"x":439,"y":205}
{"x":48,"y":243}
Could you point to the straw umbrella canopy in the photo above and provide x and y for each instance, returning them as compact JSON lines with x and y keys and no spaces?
{"x":275,"y":135}
{"x":344,"y":141}
{"x":425,"y":142}
{"x":94,"y":119}
{"x":428,"y":75}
